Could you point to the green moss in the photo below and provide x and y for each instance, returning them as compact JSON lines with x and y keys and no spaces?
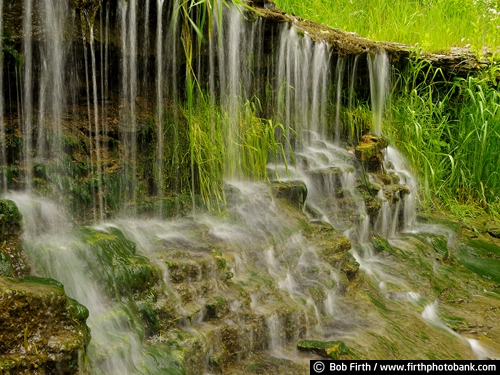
{"x":317,"y":293}
{"x":5,"y":266}
{"x":10,"y":218}
{"x":41,"y":280}
{"x":121,"y":270}
{"x":215,"y":306}
{"x":332,"y":349}
{"x":481,"y":258}
{"x":34,"y":305}
{"x":150,"y":318}
{"x":440,"y":246}
{"x":79,"y":311}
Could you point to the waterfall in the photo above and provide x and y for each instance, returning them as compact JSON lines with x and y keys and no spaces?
{"x":3,"y":154}
{"x":159,"y":98}
{"x":97,"y":127}
{"x":261,"y":275}
{"x":129,"y":83}
{"x":339,"y":72}
{"x":27,"y":107}
{"x":379,"y":87}
{"x":51,"y":101}
{"x":302,"y":77}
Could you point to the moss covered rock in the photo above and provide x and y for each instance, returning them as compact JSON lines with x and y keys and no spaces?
{"x":42,"y":329}
{"x":294,"y":192}
{"x":331,"y":349}
{"x":12,"y":261}
{"x":332,"y":245}
{"x":114,"y":261}
{"x":368,"y":151}
{"x":10,"y":219}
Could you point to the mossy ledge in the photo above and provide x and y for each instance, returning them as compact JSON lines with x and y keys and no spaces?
{"x":43,"y":331}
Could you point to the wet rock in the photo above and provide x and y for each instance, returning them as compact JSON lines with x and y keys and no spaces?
{"x":262,"y":363}
{"x":126,"y":271}
{"x":493,"y":231}
{"x":330,"y":349}
{"x":381,"y":244}
{"x":43,"y":330}
{"x":294,"y":192}
{"x":368,"y":152}
{"x":328,"y":179}
{"x":332,"y":246}
{"x":350,"y":266}
{"x":394,"y":192}
{"x":10,"y":219}
{"x":5,"y":266}
{"x":12,"y":260}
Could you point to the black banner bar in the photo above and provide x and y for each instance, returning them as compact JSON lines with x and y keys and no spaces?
{"x":399,"y":366}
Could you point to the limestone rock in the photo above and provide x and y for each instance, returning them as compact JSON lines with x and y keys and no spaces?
{"x":294,"y":192}
{"x":368,"y":151}
{"x":332,"y":246}
{"x":12,"y":261}
{"x":42,"y":329}
{"x":10,"y":219}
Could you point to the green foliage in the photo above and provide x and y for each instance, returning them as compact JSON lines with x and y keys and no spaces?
{"x":357,"y":122}
{"x":432,"y":24}
{"x":481,"y":258}
{"x":449,"y":132}
{"x":7,"y":47}
{"x":255,"y":142}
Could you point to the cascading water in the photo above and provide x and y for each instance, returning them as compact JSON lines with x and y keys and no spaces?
{"x":379,"y":87}
{"x":129,"y":82}
{"x":51,"y":100}
{"x":3,"y":156}
{"x":259,"y":278}
{"x":27,"y":110}
{"x":61,"y":253}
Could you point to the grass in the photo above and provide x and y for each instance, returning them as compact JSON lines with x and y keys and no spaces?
{"x":211,"y":150}
{"x":435,"y":25}
{"x":449,"y":131}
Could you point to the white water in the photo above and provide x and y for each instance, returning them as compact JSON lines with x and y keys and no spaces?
{"x":51,"y":102}
{"x":303,"y":74}
{"x":129,"y":87}
{"x":27,"y":108}
{"x":379,"y":87}
{"x":160,"y":69}
{"x":430,"y":313}
{"x":339,"y":73}
{"x":3,"y":154}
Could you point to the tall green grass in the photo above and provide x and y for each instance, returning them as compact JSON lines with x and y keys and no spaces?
{"x":219,"y":146}
{"x":435,"y":25}
{"x":256,"y":144}
{"x":450,"y":132}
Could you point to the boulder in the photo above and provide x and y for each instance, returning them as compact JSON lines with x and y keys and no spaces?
{"x":12,"y":260}
{"x":368,"y":152}
{"x":294,"y":192}
{"x":43,"y":330}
